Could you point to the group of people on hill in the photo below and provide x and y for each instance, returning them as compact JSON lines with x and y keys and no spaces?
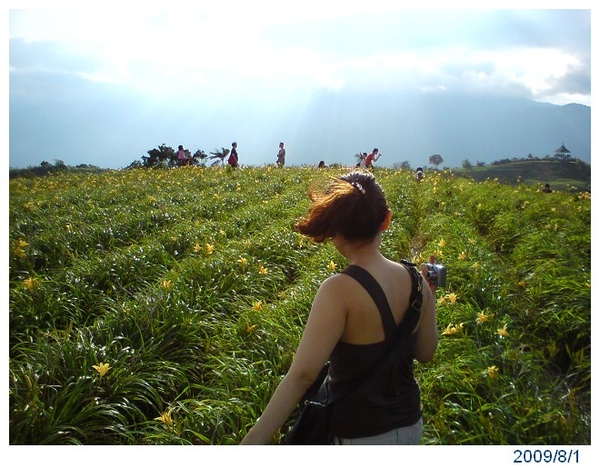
{"x":366,"y":160}
{"x":233,"y":159}
{"x":184,"y":160}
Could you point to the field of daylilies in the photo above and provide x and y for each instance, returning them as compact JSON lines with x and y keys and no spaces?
{"x":164,"y":306}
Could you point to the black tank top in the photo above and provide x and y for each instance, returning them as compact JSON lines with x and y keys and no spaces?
{"x":390,"y":398}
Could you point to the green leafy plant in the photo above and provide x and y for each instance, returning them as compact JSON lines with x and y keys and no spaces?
{"x":163,"y":307}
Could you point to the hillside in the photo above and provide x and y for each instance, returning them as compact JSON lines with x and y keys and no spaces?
{"x":413,"y":128}
{"x":163,"y":307}
{"x":572,"y":175}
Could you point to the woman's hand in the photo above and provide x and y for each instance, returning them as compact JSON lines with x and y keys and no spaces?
{"x":425,"y":273}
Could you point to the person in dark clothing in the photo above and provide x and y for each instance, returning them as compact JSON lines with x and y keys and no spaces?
{"x":345,"y":325}
{"x":281,"y":155}
{"x":233,"y":159}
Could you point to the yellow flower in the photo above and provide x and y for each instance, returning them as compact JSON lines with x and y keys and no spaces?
{"x":69,"y":228}
{"x":585,"y":196}
{"x":32,"y":283}
{"x":19,"y":252}
{"x":503,"y":332}
{"x":521,"y":284}
{"x":482,"y":318}
{"x":452,"y":297}
{"x":23,"y":244}
{"x":166,"y":418}
{"x":167,"y":284}
{"x":102,"y":368}
{"x":452,"y":329}
{"x":257,"y":305}
{"x":197,"y":248}
{"x":209,"y":249}
{"x":492,"y":372}
{"x":243,"y":262}
{"x":250,"y":328}
{"x":262,"y":270}
{"x":442,"y":243}
{"x":332,"y":265}
{"x":462,"y":255}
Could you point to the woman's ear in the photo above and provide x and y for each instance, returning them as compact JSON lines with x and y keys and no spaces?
{"x":386,"y":221}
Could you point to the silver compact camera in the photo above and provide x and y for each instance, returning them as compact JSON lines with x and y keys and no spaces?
{"x":436,"y":273}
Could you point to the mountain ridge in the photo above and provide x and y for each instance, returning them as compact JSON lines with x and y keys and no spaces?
{"x":412,"y":128}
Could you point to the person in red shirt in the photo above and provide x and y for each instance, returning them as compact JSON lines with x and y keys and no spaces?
{"x":373,"y":156}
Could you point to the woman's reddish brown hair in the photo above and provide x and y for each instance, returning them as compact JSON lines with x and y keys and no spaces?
{"x":352,"y":206}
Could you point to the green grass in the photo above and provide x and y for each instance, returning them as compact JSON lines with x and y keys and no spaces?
{"x":573,"y":175}
{"x":193,"y":287}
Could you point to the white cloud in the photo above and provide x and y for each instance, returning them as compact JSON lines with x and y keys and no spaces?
{"x":220,"y":43}
{"x":225,"y":60}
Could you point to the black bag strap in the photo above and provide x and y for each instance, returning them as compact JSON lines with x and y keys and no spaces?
{"x":368,"y":282}
{"x":406,"y":326}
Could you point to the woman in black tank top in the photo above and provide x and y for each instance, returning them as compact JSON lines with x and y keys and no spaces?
{"x":346,"y":327}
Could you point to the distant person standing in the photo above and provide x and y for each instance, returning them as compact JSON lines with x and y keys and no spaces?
{"x":372,"y":157}
{"x":181,"y":156}
{"x":233,"y":160}
{"x":419,"y":174}
{"x":281,"y":155}
{"x":547,"y":189}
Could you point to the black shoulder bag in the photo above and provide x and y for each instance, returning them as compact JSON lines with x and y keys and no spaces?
{"x":311,"y":426}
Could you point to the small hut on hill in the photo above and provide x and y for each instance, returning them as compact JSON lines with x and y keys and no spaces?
{"x":562,"y":153}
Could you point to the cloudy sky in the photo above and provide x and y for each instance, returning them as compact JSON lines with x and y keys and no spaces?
{"x":103,"y":86}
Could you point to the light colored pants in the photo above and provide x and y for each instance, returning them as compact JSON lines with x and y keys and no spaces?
{"x":410,"y":435}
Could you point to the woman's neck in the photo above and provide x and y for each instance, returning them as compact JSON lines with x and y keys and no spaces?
{"x":360,"y":253}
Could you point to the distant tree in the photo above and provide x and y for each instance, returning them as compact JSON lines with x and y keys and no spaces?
{"x":436,"y":160}
{"x":199,"y":158}
{"x":467,"y":164}
{"x":216,"y":155}
{"x":480,"y":163}
{"x":404,"y":165}
{"x":45,"y":164}
{"x":163,"y":156}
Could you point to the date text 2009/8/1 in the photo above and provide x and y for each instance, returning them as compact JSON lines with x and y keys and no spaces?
{"x":546,"y":456}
